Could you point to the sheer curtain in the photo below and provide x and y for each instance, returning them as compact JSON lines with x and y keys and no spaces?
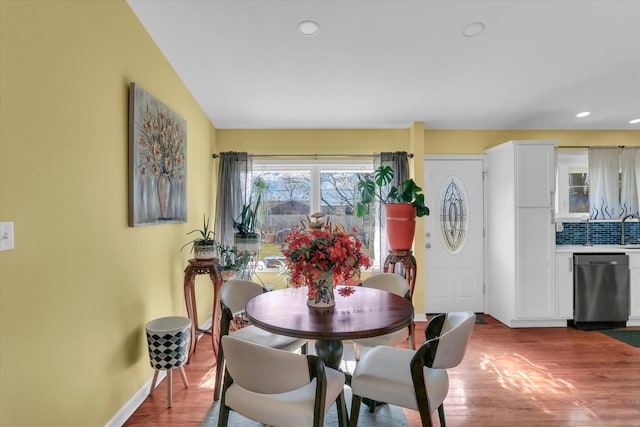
{"x":234,"y":188}
{"x":604,"y":188}
{"x":630,"y":167}
{"x":399,"y":162}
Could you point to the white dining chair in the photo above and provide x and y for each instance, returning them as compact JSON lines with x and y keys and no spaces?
{"x":234,"y":295}
{"x":279,"y":388}
{"x":414,"y":379}
{"x":397,"y":285}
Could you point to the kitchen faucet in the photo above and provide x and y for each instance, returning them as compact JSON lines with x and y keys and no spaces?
{"x":622,"y":238}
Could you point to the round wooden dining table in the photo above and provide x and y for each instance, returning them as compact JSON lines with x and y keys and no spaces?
{"x":358,"y":313}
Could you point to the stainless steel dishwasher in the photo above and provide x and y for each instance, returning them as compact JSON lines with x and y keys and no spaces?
{"x":601,"y":290}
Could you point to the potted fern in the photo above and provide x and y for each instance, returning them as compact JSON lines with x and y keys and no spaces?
{"x":402,"y":204}
{"x":204,"y":246}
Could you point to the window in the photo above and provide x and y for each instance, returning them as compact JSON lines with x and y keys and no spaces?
{"x":572,"y":184}
{"x":612,"y":181}
{"x":453,"y":215}
{"x":292,"y":190}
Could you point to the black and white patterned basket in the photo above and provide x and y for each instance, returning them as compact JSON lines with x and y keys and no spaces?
{"x":169,"y":339}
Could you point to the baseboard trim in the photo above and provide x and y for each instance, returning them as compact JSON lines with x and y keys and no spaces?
{"x":139,"y":396}
{"x":134,"y":402}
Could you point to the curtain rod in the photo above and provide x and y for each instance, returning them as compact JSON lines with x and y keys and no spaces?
{"x":315,"y":156}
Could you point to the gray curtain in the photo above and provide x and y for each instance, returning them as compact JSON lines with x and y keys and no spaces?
{"x":399,"y":161}
{"x":234,"y":187}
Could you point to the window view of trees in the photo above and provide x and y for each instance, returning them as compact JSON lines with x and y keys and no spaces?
{"x":291,"y":192}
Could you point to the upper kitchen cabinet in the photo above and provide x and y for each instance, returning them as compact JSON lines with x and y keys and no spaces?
{"x":535,"y":173}
{"x":521,"y":283}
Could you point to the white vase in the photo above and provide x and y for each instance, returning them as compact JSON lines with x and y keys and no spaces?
{"x":322,"y":295}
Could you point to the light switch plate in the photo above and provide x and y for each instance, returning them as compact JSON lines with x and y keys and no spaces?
{"x":6,"y":235}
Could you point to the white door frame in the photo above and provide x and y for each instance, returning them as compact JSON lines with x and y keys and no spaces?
{"x":482,"y":158}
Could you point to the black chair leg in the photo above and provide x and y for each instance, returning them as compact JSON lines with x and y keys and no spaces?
{"x":441,"y":415}
{"x":223,"y":418}
{"x":355,"y":411}
{"x":341,"y":408}
{"x":219,"y":374}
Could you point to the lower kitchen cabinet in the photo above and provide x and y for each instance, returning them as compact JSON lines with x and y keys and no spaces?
{"x":634,"y":291}
{"x":564,"y":284}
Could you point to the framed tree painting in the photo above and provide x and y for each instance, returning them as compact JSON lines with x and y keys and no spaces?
{"x":157,"y":161}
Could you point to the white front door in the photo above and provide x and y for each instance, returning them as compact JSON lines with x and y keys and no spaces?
{"x":454,"y":246}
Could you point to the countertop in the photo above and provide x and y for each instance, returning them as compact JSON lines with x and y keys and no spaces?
{"x":598,"y":248}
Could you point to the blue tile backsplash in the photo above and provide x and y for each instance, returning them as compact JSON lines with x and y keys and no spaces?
{"x":600,"y":233}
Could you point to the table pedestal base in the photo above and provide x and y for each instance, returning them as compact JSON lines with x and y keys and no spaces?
{"x":330,"y":351}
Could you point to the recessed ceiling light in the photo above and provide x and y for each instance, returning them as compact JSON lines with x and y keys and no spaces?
{"x":473,"y":29}
{"x":634,"y":121}
{"x":308,"y":28}
{"x":583,"y":114}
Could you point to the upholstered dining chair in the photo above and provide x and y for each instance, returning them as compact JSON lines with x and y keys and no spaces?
{"x":234,"y":295}
{"x":277,"y":387}
{"x":395,"y":284}
{"x":414,"y":379}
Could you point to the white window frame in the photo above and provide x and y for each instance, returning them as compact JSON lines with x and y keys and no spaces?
{"x":569,"y":161}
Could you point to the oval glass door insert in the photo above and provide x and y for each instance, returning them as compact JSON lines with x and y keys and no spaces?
{"x":453,"y":214}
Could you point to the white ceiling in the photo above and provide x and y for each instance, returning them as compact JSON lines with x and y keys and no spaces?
{"x":385,"y":64}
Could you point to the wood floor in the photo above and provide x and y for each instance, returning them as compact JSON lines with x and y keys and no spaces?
{"x":509,"y":377}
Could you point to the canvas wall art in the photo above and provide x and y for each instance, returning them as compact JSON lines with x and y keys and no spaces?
{"x":157,"y":161}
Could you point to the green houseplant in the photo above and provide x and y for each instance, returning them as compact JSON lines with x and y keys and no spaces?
{"x":232,"y":260}
{"x":245,"y":224}
{"x":379,"y":188}
{"x":402,"y":203}
{"x":204,"y":246}
{"x":246,"y":240}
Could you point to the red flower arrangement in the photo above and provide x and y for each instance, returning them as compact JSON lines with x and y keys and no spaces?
{"x":319,"y":248}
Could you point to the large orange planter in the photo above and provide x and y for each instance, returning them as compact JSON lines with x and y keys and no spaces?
{"x":401,"y":225}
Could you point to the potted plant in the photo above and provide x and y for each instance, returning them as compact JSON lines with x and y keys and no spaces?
{"x":403,"y":203}
{"x":204,"y":246}
{"x":246,"y":237}
{"x":233,"y":261}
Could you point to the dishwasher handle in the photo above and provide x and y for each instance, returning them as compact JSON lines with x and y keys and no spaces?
{"x":603,"y":262}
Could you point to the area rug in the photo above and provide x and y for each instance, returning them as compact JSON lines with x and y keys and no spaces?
{"x":479,"y":320}
{"x":631,"y":337}
{"x":385,"y":415}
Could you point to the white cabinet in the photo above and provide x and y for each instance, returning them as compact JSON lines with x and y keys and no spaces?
{"x":536,"y":292}
{"x":564,"y":283}
{"x":521,"y":277}
{"x":634,"y":291}
{"x":536,"y":175}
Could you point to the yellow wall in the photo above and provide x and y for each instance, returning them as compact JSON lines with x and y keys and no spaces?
{"x":80,"y":285}
{"x":476,"y":141}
